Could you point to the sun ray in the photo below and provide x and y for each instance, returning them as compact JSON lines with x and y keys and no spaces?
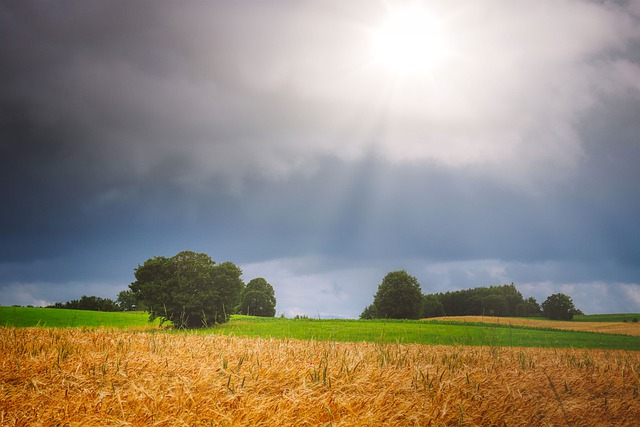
{"x":410,"y":41}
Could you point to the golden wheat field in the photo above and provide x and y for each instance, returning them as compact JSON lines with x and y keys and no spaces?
{"x":83,"y":377}
{"x":603,"y":327}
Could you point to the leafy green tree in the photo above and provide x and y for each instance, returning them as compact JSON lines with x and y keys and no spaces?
{"x":89,"y":303}
{"x":399,"y":297}
{"x":558,"y":307}
{"x":226,"y":277}
{"x":502,"y":300}
{"x":128,"y":301}
{"x":188,"y":289}
{"x":511,"y":296}
{"x":432,"y":307}
{"x":532,"y":308}
{"x":495,"y":305}
{"x":258,"y":299}
{"x":369,"y":312}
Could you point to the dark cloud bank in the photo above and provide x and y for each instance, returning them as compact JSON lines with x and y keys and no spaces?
{"x":135,"y":129}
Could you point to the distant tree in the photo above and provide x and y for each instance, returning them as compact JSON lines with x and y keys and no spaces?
{"x":532,"y":308}
{"x":512,"y":297}
{"x":56,"y":304}
{"x":503,"y":300}
{"x":128,"y":301}
{"x":558,"y":307}
{"x":369,"y":312}
{"x":226,"y":277}
{"x":88,"y":303}
{"x":97,"y":303}
{"x":432,"y":307}
{"x":258,"y":299}
{"x":188,"y":289}
{"x":399,"y":297}
{"x":74,"y":304}
{"x":495,"y":305}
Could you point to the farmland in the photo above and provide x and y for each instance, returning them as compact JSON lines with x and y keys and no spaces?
{"x":607,"y":327}
{"x":266,"y":371}
{"x":463,"y":331}
{"x":53,"y":317}
{"x":86,"y":376}
{"x":437,"y":332}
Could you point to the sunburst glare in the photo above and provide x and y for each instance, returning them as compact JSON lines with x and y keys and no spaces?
{"x":410,"y":41}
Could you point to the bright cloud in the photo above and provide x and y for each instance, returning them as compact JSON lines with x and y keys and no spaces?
{"x":267,"y":134}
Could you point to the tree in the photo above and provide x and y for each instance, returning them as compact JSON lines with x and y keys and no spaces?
{"x":89,"y":303}
{"x":399,"y":297}
{"x":558,"y":307}
{"x":128,"y":301}
{"x":432,"y":307}
{"x":511,"y":296}
{"x":532,"y":308}
{"x":226,"y":277}
{"x":495,"y":305}
{"x":188,"y":289}
{"x":503,"y":300}
{"x":258,"y":299}
{"x":369,"y":312}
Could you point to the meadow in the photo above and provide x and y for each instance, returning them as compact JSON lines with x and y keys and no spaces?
{"x":55,"y":317}
{"x":615,"y":317}
{"x":431,"y":332}
{"x":507,"y":332}
{"x":272,"y":371}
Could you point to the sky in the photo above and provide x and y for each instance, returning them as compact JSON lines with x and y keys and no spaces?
{"x":485,"y":143}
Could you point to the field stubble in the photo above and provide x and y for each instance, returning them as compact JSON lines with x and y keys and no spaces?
{"x":115,"y":377}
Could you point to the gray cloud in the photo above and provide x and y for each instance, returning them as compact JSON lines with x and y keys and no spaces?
{"x":263,"y":133}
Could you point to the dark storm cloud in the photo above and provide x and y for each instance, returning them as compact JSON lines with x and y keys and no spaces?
{"x":255,"y":132}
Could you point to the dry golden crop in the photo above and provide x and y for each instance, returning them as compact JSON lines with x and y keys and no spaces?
{"x":99,"y":377}
{"x":620,"y":328}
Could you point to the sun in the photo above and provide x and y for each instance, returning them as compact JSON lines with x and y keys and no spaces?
{"x":410,"y":41}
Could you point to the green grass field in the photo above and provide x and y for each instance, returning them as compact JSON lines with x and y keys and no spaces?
{"x":423,"y":332}
{"x":619,"y":317}
{"x":383,"y":331}
{"x":56,"y":317}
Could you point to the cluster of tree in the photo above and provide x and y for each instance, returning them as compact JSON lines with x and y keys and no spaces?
{"x":503,"y":300}
{"x":191,"y":290}
{"x":89,"y":303}
{"x":258,"y":299}
{"x":399,"y":296}
{"x":126,"y":301}
{"x":188,"y":289}
{"x":559,"y":307}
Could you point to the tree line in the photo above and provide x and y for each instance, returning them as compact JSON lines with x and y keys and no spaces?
{"x":400,"y":296}
{"x":89,"y":303}
{"x":190,"y":290}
